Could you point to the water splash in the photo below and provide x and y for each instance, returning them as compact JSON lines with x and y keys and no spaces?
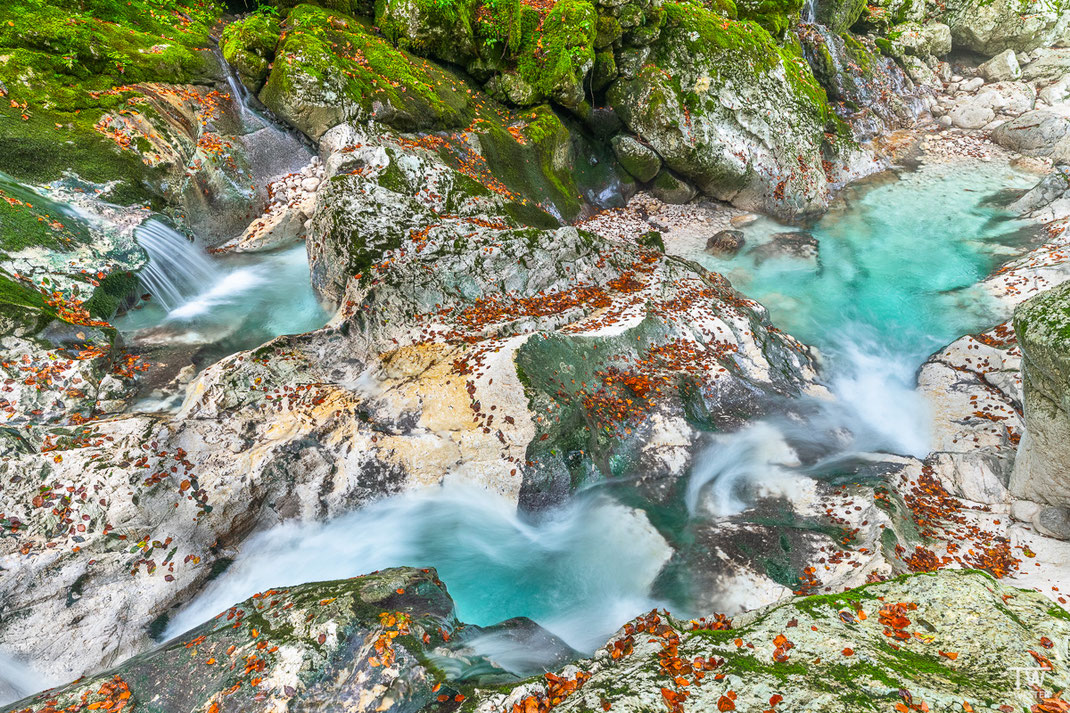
{"x":581,"y":571}
{"x":177,"y":269}
{"x":17,"y":680}
{"x":754,"y":462}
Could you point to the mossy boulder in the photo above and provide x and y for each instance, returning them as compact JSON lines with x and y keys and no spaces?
{"x":441,"y":29}
{"x":249,"y":45}
{"x":368,"y":639}
{"x":61,"y":67}
{"x":731,"y":111}
{"x":774,"y":15}
{"x":555,"y":61}
{"x":636,"y":158}
{"x":838,"y":15}
{"x":331,"y":68}
{"x":1042,"y":466}
{"x":943,"y":641}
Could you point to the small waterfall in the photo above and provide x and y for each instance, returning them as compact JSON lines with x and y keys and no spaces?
{"x":178,"y":269}
{"x":238,"y":92}
{"x":809,"y":11}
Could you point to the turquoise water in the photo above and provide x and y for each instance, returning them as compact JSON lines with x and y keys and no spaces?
{"x":893,"y":282}
{"x":897,"y":261}
{"x":246,"y":301}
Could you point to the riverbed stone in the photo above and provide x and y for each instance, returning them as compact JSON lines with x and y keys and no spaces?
{"x":637,"y":159}
{"x":827,"y":652}
{"x":1053,"y":521}
{"x":1037,"y":133}
{"x":725,"y":243}
{"x":1001,"y":68}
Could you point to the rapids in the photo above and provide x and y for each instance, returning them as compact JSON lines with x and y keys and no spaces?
{"x":882,"y":294}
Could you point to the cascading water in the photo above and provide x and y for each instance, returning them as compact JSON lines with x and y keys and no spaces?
{"x":580,"y":571}
{"x":177,"y":269}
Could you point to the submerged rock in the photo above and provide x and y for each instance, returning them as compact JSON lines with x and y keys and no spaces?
{"x":725,"y":243}
{"x":796,"y":245}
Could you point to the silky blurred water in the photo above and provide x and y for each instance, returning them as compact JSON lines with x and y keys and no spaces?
{"x":894,"y":280}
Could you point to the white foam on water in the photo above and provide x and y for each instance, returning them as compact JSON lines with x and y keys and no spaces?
{"x":580,"y":571}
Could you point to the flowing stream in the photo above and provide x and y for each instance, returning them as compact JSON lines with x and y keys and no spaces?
{"x":894,"y":279}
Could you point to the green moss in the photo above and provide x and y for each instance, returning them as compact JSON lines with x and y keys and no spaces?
{"x":322,"y":49}
{"x":540,"y":169}
{"x":249,"y":46}
{"x":113,"y":289}
{"x":431,"y":28}
{"x":608,"y":31}
{"x":60,"y":63}
{"x":774,"y":15}
{"x":555,"y":60}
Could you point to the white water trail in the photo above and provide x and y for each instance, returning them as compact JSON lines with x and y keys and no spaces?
{"x":18,"y":680}
{"x":580,"y":571}
{"x":877,"y":401}
{"x":177,"y":269}
{"x":753,"y":462}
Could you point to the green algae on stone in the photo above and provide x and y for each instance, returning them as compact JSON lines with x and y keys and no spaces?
{"x":965,"y":636}
{"x":774,"y":15}
{"x":555,"y":59}
{"x":61,"y":66}
{"x":711,"y":86}
{"x":307,"y":645}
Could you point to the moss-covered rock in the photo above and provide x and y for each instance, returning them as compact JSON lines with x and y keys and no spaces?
{"x":365,"y":639}
{"x":730,"y":110}
{"x":249,"y":45}
{"x":944,"y":641}
{"x":1042,"y":466}
{"x":636,"y":158}
{"x":555,"y":61}
{"x":432,"y":28}
{"x":62,"y":66}
{"x":330,"y":68}
{"x":838,"y":15}
{"x":774,"y":15}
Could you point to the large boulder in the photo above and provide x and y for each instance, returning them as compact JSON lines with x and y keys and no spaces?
{"x":1042,"y":468}
{"x":729,"y":110}
{"x":249,"y":45}
{"x":991,"y":27}
{"x":367,"y":641}
{"x":839,"y":15}
{"x":1037,"y":133}
{"x":429,"y":28}
{"x":931,"y":39}
{"x":330,"y":68}
{"x":942,"y":641}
